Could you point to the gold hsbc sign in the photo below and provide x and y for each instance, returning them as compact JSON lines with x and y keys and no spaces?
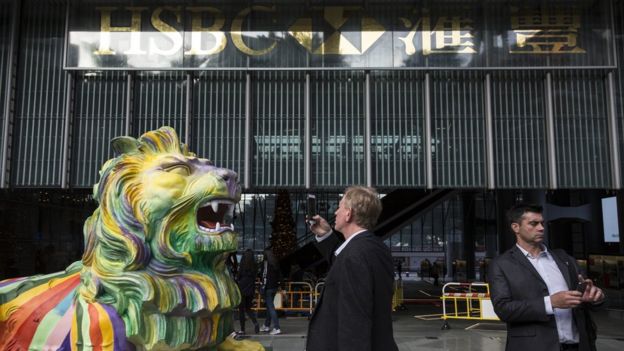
{"x":301,"y":30}
{"x":207,"y":37}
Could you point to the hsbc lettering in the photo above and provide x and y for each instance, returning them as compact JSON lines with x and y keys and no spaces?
{"x":197,"y":37}
{"x":214,"y":44}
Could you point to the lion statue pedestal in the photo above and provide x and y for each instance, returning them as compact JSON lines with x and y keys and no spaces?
{"x":153,"y":274}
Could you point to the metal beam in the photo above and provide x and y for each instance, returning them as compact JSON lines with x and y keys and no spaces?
{"x":489,"y":133}
{"x":9,"y":98}
{"x":307,"y":135}
{"x":129,"y":100}
{"x":428,"y":155}
{"x":189,"y":110}
{"x":247,"y":167}
{"x":550,"y":134}
{"x":616,"y":172}
{"x":350,"y":68}
{"x":367,"y":132}
{"x":67,"y":125}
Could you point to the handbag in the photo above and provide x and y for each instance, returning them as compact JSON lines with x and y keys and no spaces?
{"x":278,"y":300}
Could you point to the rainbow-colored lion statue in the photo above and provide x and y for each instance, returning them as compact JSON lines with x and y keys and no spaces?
{"x":153,"y":273}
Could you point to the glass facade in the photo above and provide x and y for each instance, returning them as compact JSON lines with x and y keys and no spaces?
{"x":338,"y":129}
{"x":398,"y":124}
{"x":619,"y":75}
{"x":433,"y":231}
{"x":255,"y":213}
{"x":40,"y":100}
{"x":99,"y":116}
{"x":5,"y":58}
{"x":469,"y":96}
{"x":218,"y":118}
{"x":519,"y":129}
{"x":278,"y":105}
{"x":474,"y":124}
{"x":160,"y":100}
{"x":580,"y":114}
{"x":458,"y":130}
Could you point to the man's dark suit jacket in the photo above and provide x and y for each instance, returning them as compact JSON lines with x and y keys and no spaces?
{"x":518,"y":292}
{"x":354,"y":311}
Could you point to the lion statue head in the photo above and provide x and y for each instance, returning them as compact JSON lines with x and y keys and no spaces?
{"x":155,"y":248}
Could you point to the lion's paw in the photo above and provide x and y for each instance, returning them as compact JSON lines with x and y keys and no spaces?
{"x":231,"y":344}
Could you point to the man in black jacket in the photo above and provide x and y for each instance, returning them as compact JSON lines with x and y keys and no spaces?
{"x":354,"y":310}
{"x":539,"y":292}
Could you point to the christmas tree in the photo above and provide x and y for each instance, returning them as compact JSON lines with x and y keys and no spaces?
{"x":283,"y":239}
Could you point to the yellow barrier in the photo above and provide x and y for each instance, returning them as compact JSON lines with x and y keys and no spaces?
{"x":397,"y":296}
{"x":318,"y":289}
{"x":296,"y":297}
{"x":302,"y":297}
{"x":468,"y":301}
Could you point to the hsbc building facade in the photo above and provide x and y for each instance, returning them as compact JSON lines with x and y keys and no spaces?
{"x":496,"y":101}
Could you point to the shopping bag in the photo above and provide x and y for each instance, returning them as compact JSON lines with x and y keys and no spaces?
{"x":277,"y":300}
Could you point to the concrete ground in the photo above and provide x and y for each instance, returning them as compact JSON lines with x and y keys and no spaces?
{"x":415,"y":329}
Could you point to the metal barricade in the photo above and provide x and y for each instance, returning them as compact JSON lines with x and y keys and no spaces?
{"x":467,"y":301}
{"x":296,"y":297}
{"x":397,"y":296}
{"x":318,"y":289}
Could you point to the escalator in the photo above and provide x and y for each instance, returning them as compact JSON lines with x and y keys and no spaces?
{"x":404,"y":206}
{"x":400,"y":208}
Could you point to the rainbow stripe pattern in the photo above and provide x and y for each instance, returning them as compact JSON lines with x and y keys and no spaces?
{"x":44,"y":313}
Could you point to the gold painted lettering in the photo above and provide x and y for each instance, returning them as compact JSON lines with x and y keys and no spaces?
{"x":214,"y":30}
{"x":169,"y":31}
{"x":237,"y":30}
{"x":449,"y":35}
{"x":106,"y":28}
{"x":543,"y":30}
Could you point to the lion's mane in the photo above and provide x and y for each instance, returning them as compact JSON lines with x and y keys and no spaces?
{"x":165,"y":295}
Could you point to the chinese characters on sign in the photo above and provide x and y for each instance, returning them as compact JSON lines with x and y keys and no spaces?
{"x":545,"y":31}
{"x":450,"y":34}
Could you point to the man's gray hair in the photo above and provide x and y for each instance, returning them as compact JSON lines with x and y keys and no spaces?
{"x":365,"y":205}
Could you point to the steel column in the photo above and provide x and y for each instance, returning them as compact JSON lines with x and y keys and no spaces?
{"x":613,"y":134}
{"x":9,"y":98}
{"x":189,"y":110}
{"x":489,"y":136}
{"x":367,"y":132}
{"x":67,"y":125}
{"x":550,"y":133}
{"x":427,"y":141}
{"x":129,"y":102}
{"x":248,"y":136}
{"x":307,"y":135}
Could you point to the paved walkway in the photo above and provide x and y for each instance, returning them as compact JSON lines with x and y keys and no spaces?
{"x":425,"y":334}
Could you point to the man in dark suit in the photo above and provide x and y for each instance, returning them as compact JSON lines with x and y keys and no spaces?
{"x":354,"y":311}
{"x":539,"y":293}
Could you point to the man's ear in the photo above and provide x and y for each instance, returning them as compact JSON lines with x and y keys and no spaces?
{"x":515,"y":227}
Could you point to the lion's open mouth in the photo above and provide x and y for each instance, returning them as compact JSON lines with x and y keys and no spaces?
{"x":216,"y":216}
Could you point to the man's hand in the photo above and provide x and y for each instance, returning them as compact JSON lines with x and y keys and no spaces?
{"x":592,"y":293}
{"x":319,"y":226}
{"x":565,"y":299}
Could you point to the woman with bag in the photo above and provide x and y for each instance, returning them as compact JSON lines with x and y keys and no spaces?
{"x":246,"y":280}
{"x":271,"y":276}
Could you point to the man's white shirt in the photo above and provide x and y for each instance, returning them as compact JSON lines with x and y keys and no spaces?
{"x":547,"y":268}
